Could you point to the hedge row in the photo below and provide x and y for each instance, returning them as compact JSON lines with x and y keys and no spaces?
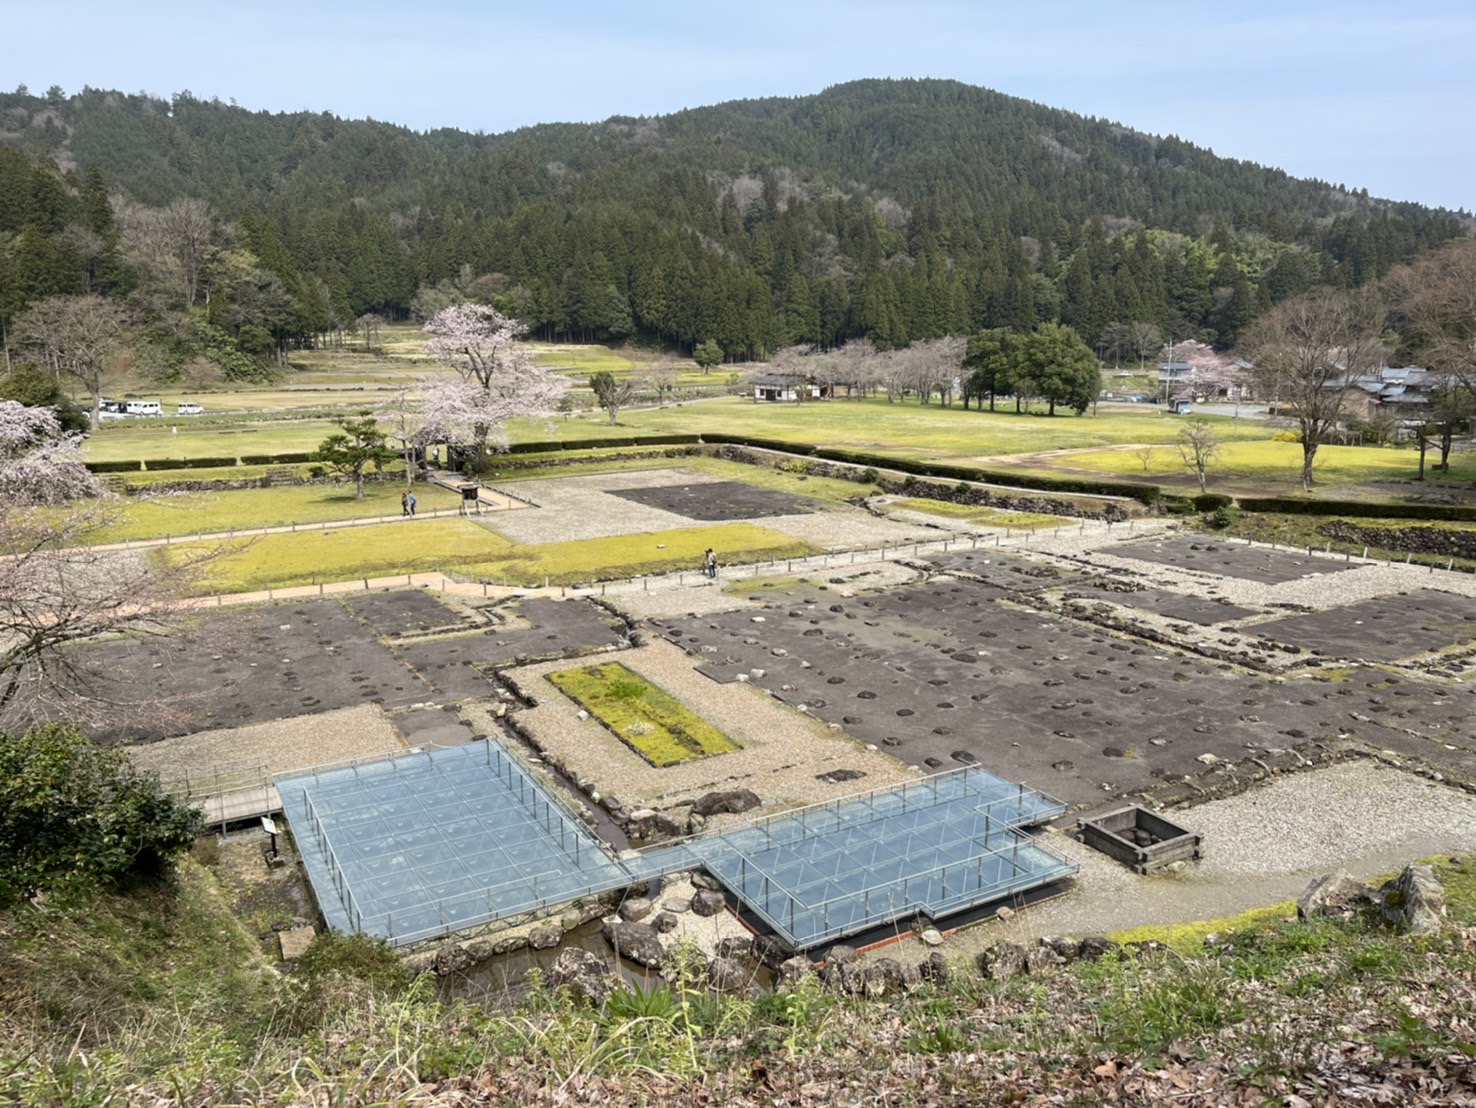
{"x":131,"y":466}
{"x":613,"y":442}
{"x":188,"y":463}
{"x":296,"y":457}
{"x":1365,"y":509}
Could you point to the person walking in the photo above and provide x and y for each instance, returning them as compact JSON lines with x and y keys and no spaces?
{"x":410,"y":502}
{"x":405,"y":503}
{"x":711,"y":564}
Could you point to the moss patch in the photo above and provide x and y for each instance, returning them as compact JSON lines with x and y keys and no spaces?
{"x":1188,"y":938}
{"x":985,"y":517}
{"x":654,"y":724}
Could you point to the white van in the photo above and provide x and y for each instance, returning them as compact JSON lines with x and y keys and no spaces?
{"x":187,"y":408}
{"x":143,"y":407}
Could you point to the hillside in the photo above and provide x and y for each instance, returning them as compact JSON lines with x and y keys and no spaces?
{"x":893,"y":210}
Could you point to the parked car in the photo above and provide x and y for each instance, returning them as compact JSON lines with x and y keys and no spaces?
{"x":143,"y":407}
{"x":188,"y":408}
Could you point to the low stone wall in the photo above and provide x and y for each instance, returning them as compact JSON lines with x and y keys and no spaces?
{"x":1436,"y":541}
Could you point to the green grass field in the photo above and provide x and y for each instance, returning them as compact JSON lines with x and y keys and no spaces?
{"x":463,"y":547}
{"x":972,"y":513}
{"x":204,"y":513}
{"x":1265,"y":464}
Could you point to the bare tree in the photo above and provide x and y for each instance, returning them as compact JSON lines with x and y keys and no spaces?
{"x":1197,"y":446}
{"x":1307,"y":351}
{"x":1438,"y":299}
{"x":369,"y":325}
{"x":172,"y":246}
{"x":661,"y":378}
{"x":1144,"y":339}
{"x":77,"y":336}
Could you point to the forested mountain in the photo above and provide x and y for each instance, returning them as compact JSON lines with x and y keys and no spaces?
{"x":893,"y":210}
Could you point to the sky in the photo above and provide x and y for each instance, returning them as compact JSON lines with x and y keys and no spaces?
{"x":1370,"y":95}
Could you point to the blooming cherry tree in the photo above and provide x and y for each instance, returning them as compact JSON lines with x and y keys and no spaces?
{"x":495,"y":378}
{"x":1209,"y":370}
{"x":55,"y":588}
{"x":39,"y":464}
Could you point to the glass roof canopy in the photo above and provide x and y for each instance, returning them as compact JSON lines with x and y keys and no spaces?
{"x":426,"y":844}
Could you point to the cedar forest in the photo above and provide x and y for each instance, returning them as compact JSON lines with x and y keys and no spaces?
{"x":894,"y":211}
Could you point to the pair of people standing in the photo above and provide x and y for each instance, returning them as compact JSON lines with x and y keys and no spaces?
{"x":709,"y":564}
{"x":407,"y":503}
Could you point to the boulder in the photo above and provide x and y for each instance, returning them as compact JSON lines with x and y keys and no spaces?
{"x":876,"y":982}
{"x":1413,"y":901}
{"x":636,"y":909}
{"x":935,"y":969}
{"x":912,"y":977}
{"x":665,"y":923}
{"x":733,"y":802}
{"x":452,"y":960}
{"x":1068,"y":950}
{"x":848,"y":978}
{"x":735,"y":946}
{"x":702,"y":880}
{"x":545,"y":937}
{"x":708,"y":902}
{"x":637,"y":942}
{"x":1337,"y":894}
{"x":583,"y":974}
{"x":891,"y":970}
{"x":506,"y":944}
{"x":1094,"y":948}
{"x":1001,"y":961}
{"x":791,"y":970}
{"x":726,"y":975}
{"x":772,"y":950}
{"x":840,"y":955}
{"x":1041,"y":960}
{"x":931,"y":936}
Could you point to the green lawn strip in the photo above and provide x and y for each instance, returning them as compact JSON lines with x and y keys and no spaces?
{"x":225,"y":510}
{"x":972,"y":513}
{"x":915,"y":431}
{"x":651,"y":722}
{"x":584,"y":360}
{"x":463,"y":547}
{"x":592,"y":461}
{"x":215,"y":439}
{"x":341,"y":554}
{"x":1266,"y":461}
{"x":647,"y":552}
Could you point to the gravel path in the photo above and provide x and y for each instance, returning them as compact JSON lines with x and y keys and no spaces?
{"x":276,"y":747}
{"x":1260,"y":847}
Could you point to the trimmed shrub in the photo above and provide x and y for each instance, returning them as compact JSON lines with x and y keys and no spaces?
{"x":133,"y":465}
{"x":598,"y":444}
{"x":295,"y":457}
{"x":1210,"y":501}
{"x":1363,"y":509}
{"x":189,"y":463}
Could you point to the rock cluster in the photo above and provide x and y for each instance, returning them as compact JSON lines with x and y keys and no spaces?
{"x":1414,"y":901}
